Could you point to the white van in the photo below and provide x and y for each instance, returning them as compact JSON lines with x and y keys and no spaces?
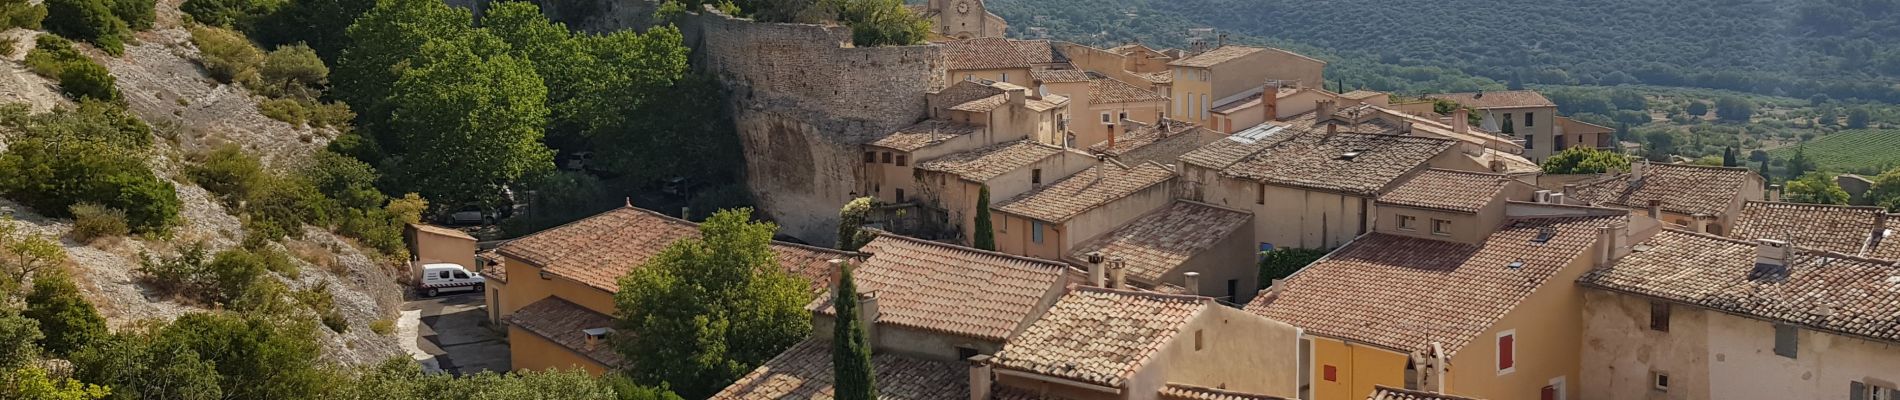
{"x":445,"y":277}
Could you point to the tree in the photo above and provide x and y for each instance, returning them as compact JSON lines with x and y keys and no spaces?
{"x":18,"y":338}
{"x":851,"y":220}
{"x":137,"y":14}
{"x":1858,"y":117}
{"x":52,"y":174}
{"x":21,"y":14}
{"x":88,"y":81}
{"x":472,"y":119}
{"x":1886,"y":190}
{"x":850,"y":350}
{"x":24,"y":255}
{"x":88,"y":20}
{"x":1585,"y":160}
{"x":1697,"y":108}
{"x":322,"y":25}
{"x":1280,"y":263}
{"x":401,"y":378}
{"x":240,"y":15}
{"x":883,"y":23}
{"x":1629,"y":100}
{"x":1660,"y":144}
{"x":1799,"y":164}
{"x":33,"y":383}
{"x":707,"y":310}
{"x":985,"y":231}
{"x":1815,"y":188}
{"x":294,"y":71}
{"x":67,"y":320}
{"x":1734,"y":109}
{"x":382,"y":41}
{"x":1728,"y":157}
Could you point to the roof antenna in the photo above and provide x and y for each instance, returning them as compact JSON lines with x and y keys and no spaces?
{"x":629,"y":201}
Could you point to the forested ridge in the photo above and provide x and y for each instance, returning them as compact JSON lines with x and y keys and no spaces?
{"x":1846,"y":49}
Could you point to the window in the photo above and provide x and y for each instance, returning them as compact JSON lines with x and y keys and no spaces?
{"x":1331,"y":373}
{"x":444,"y":274}
{"x":1260,"y":195}
{"x":1787,"y":340}
{"x":1659,"y":380}
{"x":1556,"y":389}
{"x":1857,"y":390}
{"x":870,"y":157}
{"x":1408,"y":223}
{"x":1035,"y":231}
{"x":1530,"y":119}
{"x":1105,"y":120}
{"x":1507,"y":352}
{"x":901,"y":158}
{"x":969,"y":77}
{"x":1659,"y":316}
{"x":887,"y":157}
{"x":1441,"y":227}
{"x":1560,"y":142}
{"x":900,"y":195}
{"x":461,"y":275}
{"x":964,"y":353}
{"x":1233,"y":290}
{"x":1006,"y":79}
{"x":1197,"y":340}
{"x":1530,"y":141}
{"x":1123,"y":116}
{"x":1035,"y":176}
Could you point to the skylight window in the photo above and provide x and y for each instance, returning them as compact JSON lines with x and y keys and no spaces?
{"x":1544,"y":235}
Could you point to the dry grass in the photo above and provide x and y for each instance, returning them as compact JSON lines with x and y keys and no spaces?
{"x":315,"y":254}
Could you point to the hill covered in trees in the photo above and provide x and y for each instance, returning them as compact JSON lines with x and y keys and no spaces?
{"x":1843,"y":49}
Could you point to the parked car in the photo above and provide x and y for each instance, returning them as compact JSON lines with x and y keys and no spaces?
{"x":444,"y":277}
{"x":472,"y":215}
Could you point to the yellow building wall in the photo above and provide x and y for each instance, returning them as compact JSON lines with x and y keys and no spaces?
{"x":1358,"y":369}
{"x":434,"y":248}
{"x":532,"y":352}
{"x":1013,"y":236}
{"x":1549,"y":340}
{"x":525,"y":287}
{"x":1192,"y":93}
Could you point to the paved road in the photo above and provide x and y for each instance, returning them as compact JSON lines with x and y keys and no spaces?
{"x":455,"y":330}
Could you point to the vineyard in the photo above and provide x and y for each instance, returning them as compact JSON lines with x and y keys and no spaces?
{"x":1857,"y":150}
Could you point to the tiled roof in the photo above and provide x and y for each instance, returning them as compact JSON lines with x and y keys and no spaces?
{"x":441,"y":230}
{"x":984,"y":104}
{"x":925,"y":134}
{"x":1220,"y":154}
{"x":1003,"y":392}
{"x":600,"y":249}
{"x":1684,"y":189}
{"x":1180,"y":391}
{"x":1046,"y":103}
{"x":1100,"y":336}
{"x":561,"y":322}
{"x":1381,"y":392}
{"x":1351,"y":163}
{"x":951,"y":289}
{"x":989,"y":162}
{"x":967,"y":91}
{"x":1447,"y":190}
{"x":1137,"y":134}
{"x":1216,"y":56}
{"x":805,"y":372}
{"x":1131,"y":48}
{"x":1361,"y":94}
{"x":491,"y":265}
{"x":1840,"y":229}
{"x":1406,"y":293}
{"x":1111,"y":91}
{"x":983,"y":53}
{"x":1820,"y":290}
{"x":1093,"y":187}
{"x":1157,"y":77}
{"x":1489,"y":100}
{"x":1062,"y":75}
{"x":1889,"y":247}
{"x":1039,"y":51}
{"x":1161,"y":241}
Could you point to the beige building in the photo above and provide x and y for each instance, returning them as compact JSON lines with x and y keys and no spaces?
{"x":429,"y":244}
{"x":1163,"y":142}
{"x":1850,"y":230}
{"x":1573,"y":133}
{"x":1685,"y":195}
{"x":942,"y":302}
{"x":1103,"y":105}
{"x":553,"y":290}
{"x":1697,"y":316}
{"x":952,"y":183}
{"x":1491,"y":318}
{"x":965,"y":116}
{"x":1459,"y":206}
{"x":1204,"y":249}
{"x":1051,"y":221}
{"x":1523,"y":115}
{"x":1226,"y":74}
{"x":1098,"y":343}
{"x":961,"y":19}
{"x":992,"y":59}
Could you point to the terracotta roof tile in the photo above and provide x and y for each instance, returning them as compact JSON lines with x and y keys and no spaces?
{"x":1039,"y":51}
{"x":967,"y":91}
{"x":1405,"y":293}
{"x":1817,"y":289}
{"x":1380,"y":392}
{"x":1181,"y":391}
{"x":984,"y":104}
{"x":1046,"y":103}
{"x":1489,"y":100}
{"x":1352,"y":163}
{"x":1111,"y":91}
{"x":1684,"y":189}
{"x":1361,"y":94}
{"x":983,"y":53}
{"x":1889,"y":247}
{"x":951,"y":289}
{"x":1157,"y":77}
{"x":1220,"y":154}
{"x":1100,"y":336}
{"x":1062,"y":75}
{"x":492,"y":266}
{"x":561,"y":322}
{"x":989,"y":162}
{"x":442,"y":230}
{"x":1137,"y":134}
{"x":804,"y":372}
{"x":1086,"y":190}
{"x":1216,"y":56}
{"x":925,"y":134}
{"x":1840,"y":229}
{"x":1157,"y":243}
{"x":1447,"y":190}
{"x":600,"y":249}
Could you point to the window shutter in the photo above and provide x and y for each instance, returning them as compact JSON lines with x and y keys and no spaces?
{"x":1507,"y":349}
{"x":1856,"y":390}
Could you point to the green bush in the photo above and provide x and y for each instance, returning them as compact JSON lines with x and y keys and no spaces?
{"x":8,"y":45}
{"x":229,"y":277}
{"x":290,"y":111}
{"x":1280,"y":263}
{"x":21,"y":14}
{"x":211,"y":356}
{"x":229,"y":173}
{"x":227,"y":54}
{"x":177,"y":274}
{"x":137,"y":14}
{"x":348,"y":181}
{"x":50,"y":55}
{"x":68,"y":322}
{"x":330,"y":115}
{"x":233,"y":14}
{"x":52,"y":176}
{"x":282,"y":206}
{"x":81,"y":81}
{"x":319,"y":300}
{"x":92,"y":222}
{"x":88,"y":20}
{"x":293,"y":71}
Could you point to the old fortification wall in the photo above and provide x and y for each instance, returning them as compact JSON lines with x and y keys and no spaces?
{"x":804,"y":100}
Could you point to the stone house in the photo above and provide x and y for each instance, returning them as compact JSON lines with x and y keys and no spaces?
{"x":1205,"y":249}
{"x":1050,"y":221}
{"x":1164,"y":142}
{"x":1494,"y":317}
{"x":553,"y":290}
{"x":1697,"y":316}
{"x":1573,"y":133}
{"x":1103,"y":104}
{"x":1850,"y":230}
{"x":1521,"y":114}
{"x":965,"y":116}
{"x":1201,"y":82}
{"x":1453,"y":205}
{"x":992,"y":59}
{"x":1693,"y":196}
{"x":952,"y":183}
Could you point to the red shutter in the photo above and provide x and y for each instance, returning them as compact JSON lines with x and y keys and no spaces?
{"x":1332,"y":374}
{"x":1507,"y":352}
{"x":1550,"y":393}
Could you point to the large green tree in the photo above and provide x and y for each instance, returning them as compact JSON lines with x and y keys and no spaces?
{"x":321,"y":24}
{"x":68,"y":321}
{"x":852,"y":372}
{"x":210,"y":356}
{"x":707,"y":310}
{"x":1584,"y":160}
{"x":471,"y":119}
{"x":401,"y":378}
{"x":1886,"y":190}
{"x":1815,"y":188}
{"x":1734,"y":109}
{"x":382,"y":41}
{"x":985,"y":229}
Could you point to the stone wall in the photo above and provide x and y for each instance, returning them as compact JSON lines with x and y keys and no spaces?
{"x":804,"y":100}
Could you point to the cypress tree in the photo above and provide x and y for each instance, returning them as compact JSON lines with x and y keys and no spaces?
{"x":1728,"y":157}
{"x":850,"y":351}
{"x":985,"y":230}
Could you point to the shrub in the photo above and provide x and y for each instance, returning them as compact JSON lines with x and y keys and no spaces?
{"x":227,"y":54}
{"x":68,"y":322}
{"x":51,"y":177}
{"x":81,"y":81}
{"x":92,"y":222}
{"x":319,"y":299}
{"x":89,"y":20}
{"x":290,"y":111}
{"x":50,"y":55}
{"x":8,"y":45}
{"x":330,"y":115}
{"x":223,"y":278}
{"x":349,"y":181}
{"x":282,"y":206}
{"x":1280,"y":263}
{"x":229,"y":173}
{"x":233,"y":14}
{"x":21,"y":14}
{"x":137,"y":14}
{"x":177,"y":274}
{"x":383,"y":326}
{"x":293,"y":71}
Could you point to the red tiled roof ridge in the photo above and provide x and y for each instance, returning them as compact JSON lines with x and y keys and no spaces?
{"x":1220,"y":393}
{"x":1571,"y":206}
{"x":1797,"y":246}
{"x":1783,"y":204}
{"x":505,"y":250}
{"x":882,"y":234}
{"x":1416,"y":393}
{"x":1144,"y":293}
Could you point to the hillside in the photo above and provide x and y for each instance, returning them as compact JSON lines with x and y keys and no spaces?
{"x":1841,"y":48}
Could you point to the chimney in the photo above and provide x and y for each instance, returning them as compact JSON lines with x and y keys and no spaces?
{"x":1774,"y":192}
{"x":1770,"y":252}
{"x":1498,"y":166}
{"x":1323,"y":110}
{"x":1541,"y":196}
{"x":1700,"y":222}
{"x":1638,"y":168}
{"x":1332,"y":129}
{"x":1193,"y":282}
{"x":980,"y":377}
{"x":836,"y":273}
{"x":1098,"y":274}
{"x":1018,"y":96}
{"x":1436,"y":382}
{"x":686,"y":213}
{"x":1270,"y":97}
{"x":1275,"y":286}
{"x":594,"y":336}
{"x":1606,"y":245}
{"x":1117,"y":275}
{"x":1655,"y":209}
{"x":1112,"y":128}
{"x":1461,"y":120}
{"x":1619,"y":241}
{"x":867,"y":317}
{"x":1405,"y":128}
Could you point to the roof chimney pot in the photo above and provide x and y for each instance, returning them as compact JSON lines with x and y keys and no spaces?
{"x":1117,"y":275}
{"x":1193,"y":282}
{"x":981,"y":377}
{"x":1098,"y":275}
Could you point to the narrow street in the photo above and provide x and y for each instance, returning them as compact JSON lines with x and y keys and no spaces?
{"x":454,"y":331}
